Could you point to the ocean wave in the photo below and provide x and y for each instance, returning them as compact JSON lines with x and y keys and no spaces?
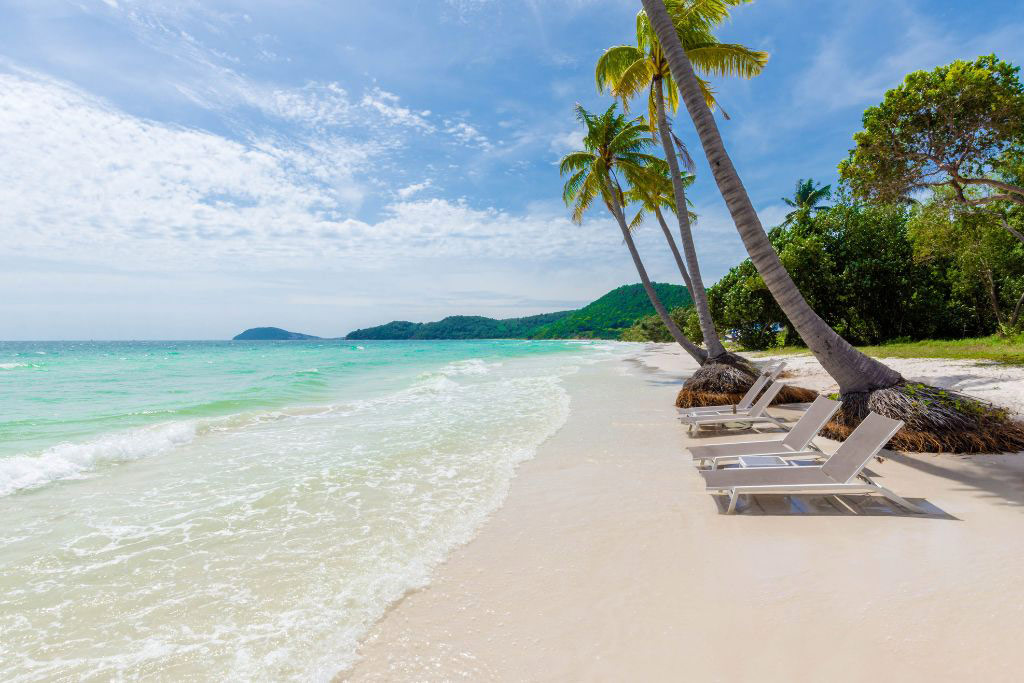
{"x":74,"y":460}
{"x":11,"y":366}
{"x":371,"y":495}
{"x":469,"y":367}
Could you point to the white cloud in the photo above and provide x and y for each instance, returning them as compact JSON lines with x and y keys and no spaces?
{"x":387,"y":105}
{"x":566,"y":142}
{"x":467,"y":134}
{"x":409,"y":190}
{"x":85,"y":182}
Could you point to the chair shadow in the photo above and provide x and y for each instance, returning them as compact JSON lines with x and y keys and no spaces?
{"x":849,"y":505}
{"x":713,"y":432}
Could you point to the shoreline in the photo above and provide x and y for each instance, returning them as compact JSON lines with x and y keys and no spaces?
{"x":609,"y":562}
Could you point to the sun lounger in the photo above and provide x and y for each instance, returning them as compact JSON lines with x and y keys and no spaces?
{"x":769,"y":374}
{"x":757,"y":413}
{"x":841,"y":473}
{"x":799,"y":439}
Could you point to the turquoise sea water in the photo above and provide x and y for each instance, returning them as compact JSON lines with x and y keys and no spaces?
{"x":245,"y":510}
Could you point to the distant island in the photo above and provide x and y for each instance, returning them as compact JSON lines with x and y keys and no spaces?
{"x":605,"y":318}
{"x":271,"y":334}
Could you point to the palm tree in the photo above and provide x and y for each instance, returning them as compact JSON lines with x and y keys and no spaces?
{"x":627,"y":71}
{"x":806,"y":200}
{"x":653,"y":193}
{"x":615,"y":146}
{"x":854,"y":371}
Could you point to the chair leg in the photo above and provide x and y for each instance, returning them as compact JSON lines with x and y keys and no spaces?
{"x":902,"y":502}
{"x":733,"y":497}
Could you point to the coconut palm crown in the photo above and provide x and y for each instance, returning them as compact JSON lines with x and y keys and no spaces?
{"x":807,"y":198}
{"x":627,"y":70}
{"x":614,"y":147}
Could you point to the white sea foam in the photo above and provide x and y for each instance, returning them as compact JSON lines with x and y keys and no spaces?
{"x":71,"y":460}
{"x":11,"y":366}
{"x":266,"y":545}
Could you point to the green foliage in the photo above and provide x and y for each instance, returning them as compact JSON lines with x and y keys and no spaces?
{"x":742,"y":305}
{"x":613,"y":313}
{"x":855,"y":264}
{"x":691,"y":327}
{"x":951,"y":126}
{"x":984,"y":263}
{"x":650,"y":328}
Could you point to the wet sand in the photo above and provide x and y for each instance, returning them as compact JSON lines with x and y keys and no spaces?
{"x":610,"y":562}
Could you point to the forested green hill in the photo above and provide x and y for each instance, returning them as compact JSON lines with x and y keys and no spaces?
{"x":605,"y":318}
{"x":461,"y":327}
{"x":617,"y":310}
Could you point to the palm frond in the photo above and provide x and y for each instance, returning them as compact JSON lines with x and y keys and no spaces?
{"x":613,"y":63}
{"x":574,"y":161}
{"x":637,"y":221}
{"x":633,"y":80}
{"x":572,"y":186}
{"x":684,"y":154}
{"x":727,"y":59}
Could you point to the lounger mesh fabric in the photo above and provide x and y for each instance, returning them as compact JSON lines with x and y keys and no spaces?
{"x":810,"y":423}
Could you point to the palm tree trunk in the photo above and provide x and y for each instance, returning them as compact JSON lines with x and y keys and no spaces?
{"x":695,"y":351}
{"x":700,"y":297}
{"x":852,"y":370}
{"x":675,"y":249}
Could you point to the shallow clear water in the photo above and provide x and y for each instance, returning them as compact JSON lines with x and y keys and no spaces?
{"x":239,"y":510}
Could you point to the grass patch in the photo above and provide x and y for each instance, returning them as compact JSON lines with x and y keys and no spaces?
{"x":1009,"y":350}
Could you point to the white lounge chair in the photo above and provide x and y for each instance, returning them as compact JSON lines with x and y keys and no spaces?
{"x":769,"y":374}
{"x":800,"y":438}
{"x":841,"y":473}
{"x":756,"y":414}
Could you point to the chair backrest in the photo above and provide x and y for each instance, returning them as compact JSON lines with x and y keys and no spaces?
{"x":752,"y":392}
{"x":864,"y":442}
{"x":774,"y":371}
{"x":811,"y":422}
{"x":766,"y":398}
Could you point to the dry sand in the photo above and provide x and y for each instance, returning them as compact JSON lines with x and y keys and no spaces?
{"x":608,"y":562}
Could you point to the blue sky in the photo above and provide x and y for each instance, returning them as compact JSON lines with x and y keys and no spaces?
{"x":180,"y":169}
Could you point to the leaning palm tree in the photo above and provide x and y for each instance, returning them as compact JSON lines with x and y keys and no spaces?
{"x":615,"y":147}
{"x":628,"y":71}
{"x":807,"y":198}
{"x":652,"y":193}
{"x":935,"y":419}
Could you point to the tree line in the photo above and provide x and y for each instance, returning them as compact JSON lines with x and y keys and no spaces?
{"x":875,"y":272}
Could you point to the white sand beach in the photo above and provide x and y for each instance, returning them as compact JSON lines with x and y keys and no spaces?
{"x":609,"y":562}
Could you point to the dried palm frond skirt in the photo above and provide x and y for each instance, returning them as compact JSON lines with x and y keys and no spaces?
{"x":724,"y":382}
{"x":936,"y":420}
